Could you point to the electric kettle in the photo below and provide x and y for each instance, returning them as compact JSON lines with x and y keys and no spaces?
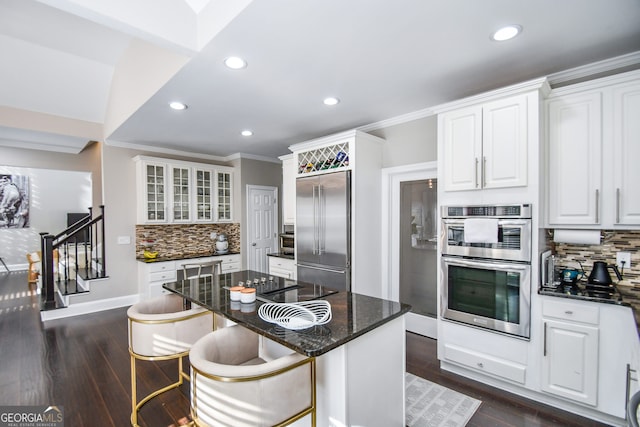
{"x":600,"y":275}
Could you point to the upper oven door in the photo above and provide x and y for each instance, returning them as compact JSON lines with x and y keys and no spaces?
{"x":514,"y":241}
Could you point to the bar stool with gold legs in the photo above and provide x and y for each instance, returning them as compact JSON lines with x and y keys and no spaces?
{"x":162,"y":329}
{"x":233,"y":385}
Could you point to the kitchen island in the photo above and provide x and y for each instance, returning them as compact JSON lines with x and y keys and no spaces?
{"x":360,"y":353}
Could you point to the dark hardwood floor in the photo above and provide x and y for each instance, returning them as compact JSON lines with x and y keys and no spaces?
{"x":82,"y":364}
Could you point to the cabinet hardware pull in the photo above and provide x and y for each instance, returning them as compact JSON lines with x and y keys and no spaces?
{"x":480,"y":365}
{"x":628,"y":389}
{"x":617,"y":206}
{"x":544,"y":341}
{"x":484,"y":171}
{"x":597,"y":206}
{"x":569,"y":312}
{"x":475,"y":173}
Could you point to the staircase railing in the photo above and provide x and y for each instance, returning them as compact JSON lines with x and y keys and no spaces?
{"x":81,"y":238}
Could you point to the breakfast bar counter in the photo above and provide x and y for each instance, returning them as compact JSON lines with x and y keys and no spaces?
{"x":360,"y":353}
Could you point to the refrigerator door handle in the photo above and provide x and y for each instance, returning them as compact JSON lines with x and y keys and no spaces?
{"x":321,"y":268}
{"x":315,"y":220}
{"x":321,"y":220}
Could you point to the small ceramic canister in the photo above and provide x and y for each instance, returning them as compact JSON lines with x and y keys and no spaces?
{"x":234,"y":293}
{"x":248,"y":295}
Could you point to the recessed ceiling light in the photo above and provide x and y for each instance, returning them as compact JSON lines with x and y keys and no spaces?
{"x":235,"y":63}
{"x":178,"y":105}
{"x":506,"y":33}
{"x":246,"y":132}
{"x":331,"y":101}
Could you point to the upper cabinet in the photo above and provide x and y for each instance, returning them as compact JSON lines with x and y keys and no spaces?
{"x":484,"y":140}
{"x":593,"y":145}
{"x":182,"y":192}
{"x":288,"y":189}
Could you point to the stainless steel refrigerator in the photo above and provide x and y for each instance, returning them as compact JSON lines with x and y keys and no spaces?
{"x":323,"y":229}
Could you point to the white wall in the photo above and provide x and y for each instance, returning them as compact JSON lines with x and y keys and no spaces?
{"x":52,"y":194}
{"x":409,"y":143}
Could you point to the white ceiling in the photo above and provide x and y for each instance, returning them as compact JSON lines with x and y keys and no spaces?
{"x":381,"y":58}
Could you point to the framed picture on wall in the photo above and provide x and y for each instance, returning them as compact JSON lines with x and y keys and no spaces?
{"x":14,"y":201}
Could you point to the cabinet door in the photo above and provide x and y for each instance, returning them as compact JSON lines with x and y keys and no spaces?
{"x":288,"y":190}
{"x":223,"y":200}
{"x":462,"y":143}
{"x":155,"y":192}
{"x":570,"y":362}
{"x":203,"y":194}
{"x":626,"y":147}
{"x":575,"y":159}
{"x":180,"y":193}
{"x":504,"y":143}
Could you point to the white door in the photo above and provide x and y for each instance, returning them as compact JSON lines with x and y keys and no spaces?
{"x":421,"y":290}
{"x":262,"y":226}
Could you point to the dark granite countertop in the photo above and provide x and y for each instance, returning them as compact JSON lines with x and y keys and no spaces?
{"x":183,"y":256}
{"x":353,"y":315}
{"x":281,"y":255}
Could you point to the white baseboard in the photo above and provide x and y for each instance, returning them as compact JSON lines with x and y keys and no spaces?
{"x":90,"y":307}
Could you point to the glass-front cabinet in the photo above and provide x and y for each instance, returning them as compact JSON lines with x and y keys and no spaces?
{"x":155,"y":192}
{"x":204,"y":183}
{"x":183,"y":192}
{"x":181,"y":189}
{"x":224,"y":196}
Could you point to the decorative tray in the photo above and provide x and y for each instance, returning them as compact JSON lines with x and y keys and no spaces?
{"x":298,"y":315}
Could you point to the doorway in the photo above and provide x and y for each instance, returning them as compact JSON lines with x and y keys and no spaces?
{"x":410,"y":221}
{"x":262,"y":226}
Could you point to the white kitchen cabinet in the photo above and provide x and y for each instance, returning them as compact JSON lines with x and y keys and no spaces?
{"x":182,"y":192}
{"x":289,"y":168}
{"x":282,"y":267}
{"x":570,"y":350}
{"x":485,"y":146}
{"x":230,"y":263}
{"x":626,"y":152}
{"x":152,"y":275}
{"x":592,"y":141}
{"x":575,"y":157}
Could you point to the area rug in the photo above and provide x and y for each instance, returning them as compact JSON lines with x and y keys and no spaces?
{"x":432,"y":405}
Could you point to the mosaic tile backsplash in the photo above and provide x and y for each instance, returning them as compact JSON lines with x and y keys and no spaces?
{"x":612,"y":241}
{"x":185,"y":239}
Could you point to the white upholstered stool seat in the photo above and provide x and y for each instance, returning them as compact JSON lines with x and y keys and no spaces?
{"x":232,"y":385}
{"x":161,"y":329}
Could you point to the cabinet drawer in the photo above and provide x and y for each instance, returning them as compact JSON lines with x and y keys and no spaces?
{"x":569,"y":311}
{"x":288,"y":264}
{"x":162,"y":266}
{"x":163,"y":276}
{"x":485,"y":363}
{"x":228,"y":267}
{"x":228,"y":258}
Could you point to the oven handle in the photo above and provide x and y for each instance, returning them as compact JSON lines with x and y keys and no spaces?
{"x":460,"y":221}
{"x":486,"y":264}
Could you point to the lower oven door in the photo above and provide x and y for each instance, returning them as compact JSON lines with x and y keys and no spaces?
{"x":488,"y":294}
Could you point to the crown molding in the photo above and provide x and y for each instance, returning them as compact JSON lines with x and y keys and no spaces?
{"x":595,"y":68}
{"x":173,"y":152}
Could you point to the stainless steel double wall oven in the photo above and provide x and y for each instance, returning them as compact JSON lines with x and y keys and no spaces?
{"x":487,"y":283}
